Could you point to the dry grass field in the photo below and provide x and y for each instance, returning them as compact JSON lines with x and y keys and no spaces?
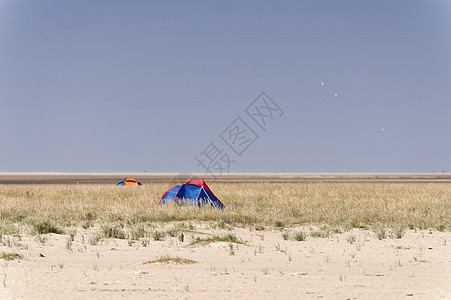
{"x":345,"y":205}
{"x":306,"y":240}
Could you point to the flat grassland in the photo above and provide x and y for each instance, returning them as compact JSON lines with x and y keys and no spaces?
{"x":303,"y":239}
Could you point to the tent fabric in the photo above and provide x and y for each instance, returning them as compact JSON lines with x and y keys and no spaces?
{"x":192,"y":193}
{"x":200,"y":183}
{"x":129,"y":181}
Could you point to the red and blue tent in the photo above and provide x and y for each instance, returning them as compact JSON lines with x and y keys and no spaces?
{"x":194,"y":193}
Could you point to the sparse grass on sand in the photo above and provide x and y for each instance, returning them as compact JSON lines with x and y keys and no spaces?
{"x":50,"y":208}
{"x":10,"y":256}
{"x":229,"y":238}
{"x":168,"y":259}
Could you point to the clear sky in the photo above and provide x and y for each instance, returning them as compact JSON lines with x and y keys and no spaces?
{"x":133,"y":86}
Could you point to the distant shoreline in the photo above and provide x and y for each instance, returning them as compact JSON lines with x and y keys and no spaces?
{"x":148,"y":178}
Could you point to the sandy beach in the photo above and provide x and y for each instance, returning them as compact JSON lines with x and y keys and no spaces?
{"x":255,"y":249}
{"x":264,"y":265}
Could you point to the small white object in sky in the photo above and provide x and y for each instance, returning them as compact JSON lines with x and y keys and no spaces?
{"x":382,"y":129}
{"x":336,"y":95}
{"x":322,"y":83}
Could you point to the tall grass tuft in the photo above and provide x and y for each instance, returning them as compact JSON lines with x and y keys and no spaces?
{"x":45,"y":226}
{"x":300,"y":236}
{"x":112,"y":231}
{"x":10,"y":256}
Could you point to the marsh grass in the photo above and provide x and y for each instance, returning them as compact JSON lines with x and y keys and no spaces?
{"x":380,"y":231}
{"x":137,"y":232}
{"x":319,"y":234}
{"x":6,"y":228}
{"x":229,"y":238}
{"x":285,"y":236}
{"x":10,"y":256}
{"x":300,"y":236}
{"x":45,"y":226}
{"x":397,"y":231}
{"x":95,"y":239}
{"x":112,"y":231}
{"x":158,"y":235}
{"x":50,"y":208}
{"x":168,"y":259}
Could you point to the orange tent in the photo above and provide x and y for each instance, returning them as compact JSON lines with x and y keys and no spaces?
{"x":129,"y":181}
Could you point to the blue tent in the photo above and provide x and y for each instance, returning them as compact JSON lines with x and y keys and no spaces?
{"x":194,"y":193}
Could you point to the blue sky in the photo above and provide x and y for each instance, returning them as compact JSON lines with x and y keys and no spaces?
{"x":128,"y":86}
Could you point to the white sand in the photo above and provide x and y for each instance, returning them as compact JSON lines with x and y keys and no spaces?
{"x":417,"y":266}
